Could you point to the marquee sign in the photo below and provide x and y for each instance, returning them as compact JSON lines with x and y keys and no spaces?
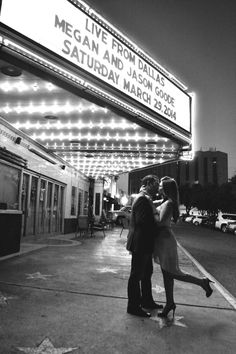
{"x":74,"y":35}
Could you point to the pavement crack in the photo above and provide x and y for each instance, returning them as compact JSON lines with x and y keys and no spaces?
{"x":101,"y":295}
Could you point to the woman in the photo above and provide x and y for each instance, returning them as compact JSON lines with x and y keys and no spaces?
{"x":165,"y":252}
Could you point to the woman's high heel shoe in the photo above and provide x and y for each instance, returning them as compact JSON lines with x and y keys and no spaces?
{"x":206,"y":287}
{"x":166,"y":310}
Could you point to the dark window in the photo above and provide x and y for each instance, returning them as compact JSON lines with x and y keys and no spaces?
{"x":9,"y":187}
{"x":187,"y":171}
{"x":97,"y":204}
{"x":73,"y":196}
{"x":214,"y":170}
{"x":205,"y":169}
{"x":178,"y":166}
{"x":80,"y":196}
{"x":196,"y":169}
{"x":85,"y":211}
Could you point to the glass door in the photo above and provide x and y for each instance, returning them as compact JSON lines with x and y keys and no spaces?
{"x":42,"y":207}
{"x":49,"y":208}
{"x":24,"y":202}
{"x":60,"y":208}
{"x":31,"y":217}
{"x":55,"y":216}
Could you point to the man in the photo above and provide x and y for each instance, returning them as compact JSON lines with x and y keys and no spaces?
{"x":140,"y":243}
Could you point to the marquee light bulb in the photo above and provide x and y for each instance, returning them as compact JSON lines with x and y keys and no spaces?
{"x":21,"y":86}
{"x":6,"y":86}
{"x":49,"y":86}
{"x":35,"y":87}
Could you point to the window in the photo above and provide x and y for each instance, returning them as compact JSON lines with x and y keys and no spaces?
{"x":80,"y":196}
{"x":214,"y":170}
{"x":178,"y":172}
{"x":73,"y":196}
{"x":9,"y":187}
{"x":230,"y":217}
{"x":187,"y":171}
{"x":85,"y":203}
{"x":196,"y":169}
{"x":97,"y":204}
{"x":205,"y":169}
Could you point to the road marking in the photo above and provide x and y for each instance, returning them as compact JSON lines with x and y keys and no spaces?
{"x":226,"y":294}
{"x":38,"y":275}
{"x":158,"y":289}
{"x":168,"y":322}
{"x":46,"y":347}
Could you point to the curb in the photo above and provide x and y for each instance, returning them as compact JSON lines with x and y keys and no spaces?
{"x":224,"y":292}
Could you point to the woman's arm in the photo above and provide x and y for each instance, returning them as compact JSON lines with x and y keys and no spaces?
{"x":163,"y":215}
{"x":158,"y":202}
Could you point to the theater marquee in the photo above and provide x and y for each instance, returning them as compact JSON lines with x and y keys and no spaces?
{"x":74,"y":35}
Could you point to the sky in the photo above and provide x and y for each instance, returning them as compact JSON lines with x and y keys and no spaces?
{"x":196,"y":41}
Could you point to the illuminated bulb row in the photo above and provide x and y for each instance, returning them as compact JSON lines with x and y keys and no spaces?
{"x":79,"y":124}
{"x":38,"y":59}
{"x":88,"y":137}
{"x":21,"y":86}
{"x":73,"y":148}
{"x":54,"y":107}
{"x":119,"y":159}
{"x":108,"y":170}
{"x":111,"y":147}
{"x":84,"y":161}
{"x":118,"y":167}
{"x":105,"y":161}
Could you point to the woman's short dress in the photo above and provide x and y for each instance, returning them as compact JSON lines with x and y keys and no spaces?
{"x":165,"y":251}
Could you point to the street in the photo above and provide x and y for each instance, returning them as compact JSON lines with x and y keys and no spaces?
{"x":214,"y":250}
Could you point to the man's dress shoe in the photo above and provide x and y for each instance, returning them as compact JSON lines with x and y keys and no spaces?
{"x":138,"y":312}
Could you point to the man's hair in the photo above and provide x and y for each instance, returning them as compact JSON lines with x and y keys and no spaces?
{"x":149,"y":179}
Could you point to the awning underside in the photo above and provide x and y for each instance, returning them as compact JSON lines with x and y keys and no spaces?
{"x":94,"y":139}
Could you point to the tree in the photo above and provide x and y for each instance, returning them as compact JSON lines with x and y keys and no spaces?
{"x":197,"y":197}
{"x":227,"y":198}
{"x":185,"y":196}
{"x":210,"y":198}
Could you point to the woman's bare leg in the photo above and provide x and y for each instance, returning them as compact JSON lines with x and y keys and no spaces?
{"x":169,"y":287}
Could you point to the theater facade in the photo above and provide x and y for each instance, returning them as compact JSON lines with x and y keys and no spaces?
{"x":80,"y":104}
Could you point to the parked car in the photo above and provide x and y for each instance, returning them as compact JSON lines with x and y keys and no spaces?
{"x":189,"y":218}
{"x":199,"y":219}
{"x":223,"y":219}
{"x":117,"y":215}
{"x":209,"y":222}
{"x":231,"y":227}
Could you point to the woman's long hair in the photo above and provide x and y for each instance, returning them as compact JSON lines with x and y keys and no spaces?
{"x":170,"y":189}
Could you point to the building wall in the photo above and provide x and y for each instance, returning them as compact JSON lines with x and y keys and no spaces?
{"x":206,"y":167}
{"x":98,"y":199}
{"x":66,"y":177}
{"x":122,"y":183}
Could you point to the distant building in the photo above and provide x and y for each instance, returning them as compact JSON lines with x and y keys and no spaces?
{"x":206,"y":167}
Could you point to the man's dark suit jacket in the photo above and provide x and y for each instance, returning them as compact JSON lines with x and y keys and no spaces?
{"x":143,"y":229}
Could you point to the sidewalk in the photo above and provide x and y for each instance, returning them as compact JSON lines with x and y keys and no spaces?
{"x":70,"y":296}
